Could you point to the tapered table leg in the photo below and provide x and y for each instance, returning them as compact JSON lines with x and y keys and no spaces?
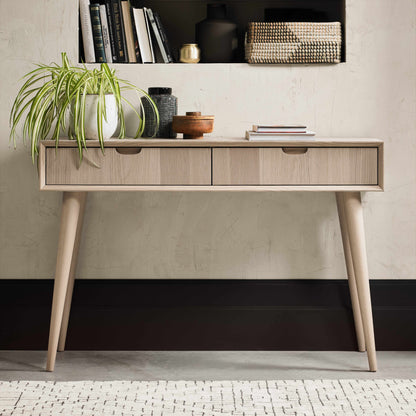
{"x":71,"y":208}
{"x":355,"y":223}
{"x":70,"y":289}
{"x":350,"y":273}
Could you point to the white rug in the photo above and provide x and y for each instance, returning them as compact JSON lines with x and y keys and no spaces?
{"x":193,"y":398}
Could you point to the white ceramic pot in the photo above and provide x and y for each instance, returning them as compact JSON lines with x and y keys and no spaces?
{"x":109,"y":125}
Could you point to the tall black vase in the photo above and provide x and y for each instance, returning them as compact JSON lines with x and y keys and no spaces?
{"x":217,"y":36}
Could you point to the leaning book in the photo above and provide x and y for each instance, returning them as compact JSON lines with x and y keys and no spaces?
{"x":254,"y":136}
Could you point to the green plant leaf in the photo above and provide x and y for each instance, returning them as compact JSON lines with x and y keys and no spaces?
{"x":50,"y":92}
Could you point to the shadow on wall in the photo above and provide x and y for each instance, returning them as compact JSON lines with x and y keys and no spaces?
{"x":170,"y":234}
{"x":210,"y":235}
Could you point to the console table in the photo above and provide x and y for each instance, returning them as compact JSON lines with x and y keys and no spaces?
{"x":344,"y":166}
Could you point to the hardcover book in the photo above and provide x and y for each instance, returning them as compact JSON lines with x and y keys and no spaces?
{"x":142,"y":36}
{"x":157,"y":36}
{"x":107,"y":5}
{"x":118,"y":31}
{"x":128,"y":30}
{"x":86,"y":28}
{"x":97,"y":33}
{"x":279,"y":129}
{"x":146,"y":18}
{"x":106,"y":34}
{"x":136,"y":40}
{"x":163,"y":37}
{"x":253,"y":136}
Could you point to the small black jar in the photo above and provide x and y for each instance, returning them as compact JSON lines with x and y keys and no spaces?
{"x":167,"y":105}
{"x":217,"y":36}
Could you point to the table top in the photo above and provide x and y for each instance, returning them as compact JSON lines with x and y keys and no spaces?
{"x":222,"y":142}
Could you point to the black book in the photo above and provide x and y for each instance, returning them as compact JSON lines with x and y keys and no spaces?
{"x":163,"y":36}
{"x":136,"y":39}
{"x":107,"y":5}
{"x":80,"y":44}
{"x":117,"y":30}
{"x":97,"y":33}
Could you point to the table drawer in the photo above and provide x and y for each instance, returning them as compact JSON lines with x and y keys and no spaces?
{"x":129,"y":166}
{"x":295,"y":166}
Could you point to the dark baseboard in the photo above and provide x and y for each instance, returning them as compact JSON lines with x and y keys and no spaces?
{"x":207,"y":315}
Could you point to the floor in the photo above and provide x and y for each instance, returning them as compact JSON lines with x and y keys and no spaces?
{"x":204,"y":365}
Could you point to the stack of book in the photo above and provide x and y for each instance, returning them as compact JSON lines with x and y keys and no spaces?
{"x":115,"y":32}
{"x":280,"y":132}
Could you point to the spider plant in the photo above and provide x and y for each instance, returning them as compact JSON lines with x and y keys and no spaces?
{"x":51,"y":92}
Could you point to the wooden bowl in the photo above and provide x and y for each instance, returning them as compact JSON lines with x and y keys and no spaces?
{"x":193,"y":125}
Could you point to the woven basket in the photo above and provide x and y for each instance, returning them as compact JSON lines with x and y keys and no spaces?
{"x":293,"y":43}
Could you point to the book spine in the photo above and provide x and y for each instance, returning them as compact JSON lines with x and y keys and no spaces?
{"x":111,"y":30}
{"x":136,"y":39}
{"x":97,"y":33}
{"x":86,"y":28}
{"x":146,"y":18}
{"x":81,"y":55}
{"x":106,"y":34}
{"x":157,"y":36}
{"x":164,"y":37}
{"x":128,"y":30}
{"x":118,"y":31}
{"x":144,"y":41}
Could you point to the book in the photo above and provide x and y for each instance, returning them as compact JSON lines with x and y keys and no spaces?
{"x":146,"y":18}
{"x":81,"y":55}
{"x":163,"y":37}
{"x":128,"y":30}
{"x":253,"y":136}
{"x":136,"y":40}
{"x":106,"y":34}
{"x":107,"y":5}
{"x":97,"y":33}
{"x":86,"y":28}
{"x":279,"y":129}
{"x":157,"y":36}
{"x":142,"y":36}
{"x":118,"y":31}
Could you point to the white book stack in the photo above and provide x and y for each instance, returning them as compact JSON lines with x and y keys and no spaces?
{"x":279,"y":133}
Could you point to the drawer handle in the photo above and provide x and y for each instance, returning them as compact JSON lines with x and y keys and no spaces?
{"x":295,"y":150}
{"x":128,"y":150}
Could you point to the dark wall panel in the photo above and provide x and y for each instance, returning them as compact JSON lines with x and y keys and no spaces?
{"x":207,"y":315}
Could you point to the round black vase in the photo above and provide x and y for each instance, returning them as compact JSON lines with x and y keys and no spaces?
{"x":217,"y":36}
{"x":167,"y":105}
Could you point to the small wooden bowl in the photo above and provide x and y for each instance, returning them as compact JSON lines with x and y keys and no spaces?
{"x":193,"y":125}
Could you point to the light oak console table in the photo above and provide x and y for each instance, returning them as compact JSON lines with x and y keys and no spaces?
{"x":344,"y":166}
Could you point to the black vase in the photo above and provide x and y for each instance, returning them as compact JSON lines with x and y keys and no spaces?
{"x":217,"y":36}
{"x":167,"y":105}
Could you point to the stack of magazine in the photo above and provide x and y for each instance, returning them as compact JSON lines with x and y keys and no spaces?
{"x":279,"y":132}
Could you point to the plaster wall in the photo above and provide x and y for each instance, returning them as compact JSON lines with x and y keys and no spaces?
{"x":224,"y":235}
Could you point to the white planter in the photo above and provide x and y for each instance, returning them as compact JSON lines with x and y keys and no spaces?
{"x":109,"y":125}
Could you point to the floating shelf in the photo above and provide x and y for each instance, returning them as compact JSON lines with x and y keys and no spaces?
{"x":179,"y":17}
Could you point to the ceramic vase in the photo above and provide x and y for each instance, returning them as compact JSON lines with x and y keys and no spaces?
{"x":167,"y":105}
{"x":109,"y":123}
{"x":217,"y":36}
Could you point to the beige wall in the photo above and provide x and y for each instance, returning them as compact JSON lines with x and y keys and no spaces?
{"x":201,"y":235}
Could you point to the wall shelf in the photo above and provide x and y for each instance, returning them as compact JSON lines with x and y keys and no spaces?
{"x":180,"y":16}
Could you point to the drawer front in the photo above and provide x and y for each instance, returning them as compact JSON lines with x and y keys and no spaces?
{"x":129,"y":166}
{"x":295,"y":166}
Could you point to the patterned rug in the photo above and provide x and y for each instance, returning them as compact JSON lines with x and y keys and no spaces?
{"x":193,"y":398}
